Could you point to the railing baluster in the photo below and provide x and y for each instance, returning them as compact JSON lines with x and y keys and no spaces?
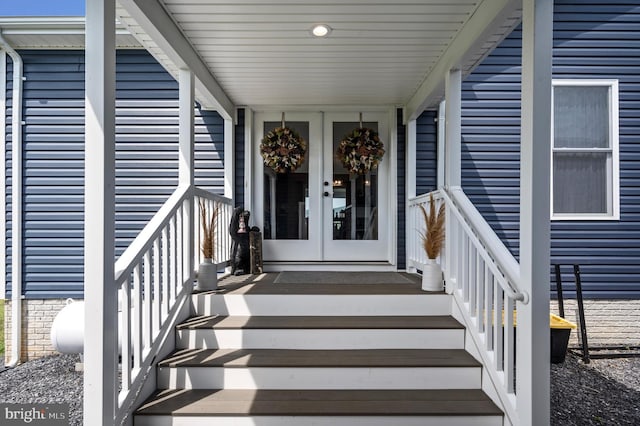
{"x":165,"y":273}
{"x":124,"y":327}
{"x":173,"y":264}
{"x":488,"y":309}
{"x":498,"y":328}
{"x":157,"y":297}
{"x":509,"y":345}
{"x":481,"y":268}
{"x":473,"y":274}
{"x":137,"y":316}
{"x":146,"y":309}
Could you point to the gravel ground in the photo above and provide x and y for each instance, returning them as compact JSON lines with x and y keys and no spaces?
{"x":605,"y":392}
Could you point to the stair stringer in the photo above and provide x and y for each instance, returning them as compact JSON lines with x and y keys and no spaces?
{"x":491,"y":383}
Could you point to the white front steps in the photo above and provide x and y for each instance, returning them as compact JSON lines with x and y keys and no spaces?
{"x":263,"y":354}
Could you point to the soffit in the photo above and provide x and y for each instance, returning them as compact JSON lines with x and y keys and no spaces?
{"x":379,"y":52}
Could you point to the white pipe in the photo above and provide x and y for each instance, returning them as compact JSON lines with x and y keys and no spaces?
{"x":16,"y":204}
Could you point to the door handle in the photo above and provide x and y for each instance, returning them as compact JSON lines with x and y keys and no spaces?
{"x":326,"y":193}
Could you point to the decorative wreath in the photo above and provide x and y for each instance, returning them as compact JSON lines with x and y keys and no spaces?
{"x":360,"y":151}
{"x":283,"y":149}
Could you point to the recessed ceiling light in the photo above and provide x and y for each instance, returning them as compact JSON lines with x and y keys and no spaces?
{"x":321,"y":30}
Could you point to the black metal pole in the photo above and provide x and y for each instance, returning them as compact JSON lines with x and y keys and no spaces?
{"x":583,"y":325}
{"x":559,"y":290}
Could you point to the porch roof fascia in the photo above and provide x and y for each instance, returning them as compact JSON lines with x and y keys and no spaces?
{"x":490,"y":23}
{"x":162,"y":29}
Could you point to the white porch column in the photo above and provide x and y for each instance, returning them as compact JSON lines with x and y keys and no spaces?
{"x":100,"y":294}
{"x":442,"y":135}
{"x":453,"y":111}
{"x":535,"y":150}
{"x":186,"y":170}
{"x":452,"y":166}
{"x":229,"y":158}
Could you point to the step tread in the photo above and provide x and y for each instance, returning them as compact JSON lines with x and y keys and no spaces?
{"x":201,"y":402}
{"x":320,"y":322}
{"x":241,"y":358}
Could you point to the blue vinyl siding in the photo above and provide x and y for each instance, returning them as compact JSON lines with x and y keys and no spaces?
{"x":53,"y":153}
{"x":426,"y":152}
{"x":402,"y":190}
{"x":592,"y":40}
{"x":239,"y":159}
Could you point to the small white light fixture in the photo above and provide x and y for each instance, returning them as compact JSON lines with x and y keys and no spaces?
{"x":321,"y":30}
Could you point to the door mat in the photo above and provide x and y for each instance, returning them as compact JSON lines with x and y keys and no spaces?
{"x":318,"y":277}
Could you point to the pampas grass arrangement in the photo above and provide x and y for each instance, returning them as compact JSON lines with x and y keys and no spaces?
{"x":433,"y":238}
{"x":208,"y":224}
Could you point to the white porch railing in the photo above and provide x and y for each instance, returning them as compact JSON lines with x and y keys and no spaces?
{"x":483,"y":278}
{"x":154,"y":277}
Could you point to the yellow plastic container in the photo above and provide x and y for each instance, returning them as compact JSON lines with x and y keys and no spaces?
{"x":560,"y":333}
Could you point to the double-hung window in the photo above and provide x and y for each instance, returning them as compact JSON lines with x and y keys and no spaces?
{"x":585,"y":156}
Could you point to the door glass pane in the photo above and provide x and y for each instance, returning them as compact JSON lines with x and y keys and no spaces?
{"x":580,"y":182}
{"x":355,"y":198}
{"x":581,"y":117}
{"x":286,"y":195}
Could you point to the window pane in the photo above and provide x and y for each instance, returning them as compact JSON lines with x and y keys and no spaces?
{"x":286,"y":195}
{"x":355,"y":198}
{"x":581,"y":117}
{"x":580,"y":183}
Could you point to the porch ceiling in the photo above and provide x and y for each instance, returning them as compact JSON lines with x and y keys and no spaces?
{"x":379,"y":52}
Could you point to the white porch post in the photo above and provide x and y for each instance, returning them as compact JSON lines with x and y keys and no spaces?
{"x":533,"y":318}
{"x":411,"y":166}
{"x":452,"y":156}
{"x":229,"y":158}
{"x":186,"y":140}
{"x":442,"y":134}
{"x":452,"y":131}
{"x":100,"y":293}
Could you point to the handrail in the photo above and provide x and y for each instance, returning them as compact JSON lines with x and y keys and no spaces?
{"x":483,"y":277}
{"x":154,"y":277}
{"x":150,"y":232}
{"x":483,"y":235}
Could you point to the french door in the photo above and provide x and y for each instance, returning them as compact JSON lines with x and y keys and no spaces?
{"x":320,"y":212}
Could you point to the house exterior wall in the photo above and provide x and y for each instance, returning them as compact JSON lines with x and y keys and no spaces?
{"x":53,"y":167}
{"x":586,"y":46}
{"x":53,"y":172}
{"x":592,"y":40}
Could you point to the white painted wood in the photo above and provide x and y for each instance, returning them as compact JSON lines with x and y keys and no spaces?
{"x":294,"y":305}
{"x":453,"y":131}
{"x":532,"y":376}
{"x":186,"y":169}
{"x":186,"y":93}
{"x":320,"y":378}
{"x":100,"y":297}
{"x":442,"y":137}
{"x":229,"y":159}
{"x":321,"y":339}
{"x":162,"y":29}
{"x":318,"y":421}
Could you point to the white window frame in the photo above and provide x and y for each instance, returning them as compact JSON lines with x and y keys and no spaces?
{"x":614,"y":165}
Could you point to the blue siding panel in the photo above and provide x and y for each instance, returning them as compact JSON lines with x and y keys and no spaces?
{"x":426,"y":152}
{"x":592,"y":39}
{"x":53,"y":152}
{"x":239,"y":159}
{"x":402,"y":190}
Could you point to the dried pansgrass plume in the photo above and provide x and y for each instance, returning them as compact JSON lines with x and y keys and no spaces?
{"x":208,"y":224}
{"x":433,"y":238}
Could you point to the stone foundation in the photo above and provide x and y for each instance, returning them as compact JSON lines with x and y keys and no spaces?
{"x":609,"y":322}
{"x":37,"y":318}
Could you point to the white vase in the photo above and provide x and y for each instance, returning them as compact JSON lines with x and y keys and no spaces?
{"x":207,"y":276}
{"x":432,"y":276}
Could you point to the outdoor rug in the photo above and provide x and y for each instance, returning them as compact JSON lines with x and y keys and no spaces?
{"x":306,"y":277}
